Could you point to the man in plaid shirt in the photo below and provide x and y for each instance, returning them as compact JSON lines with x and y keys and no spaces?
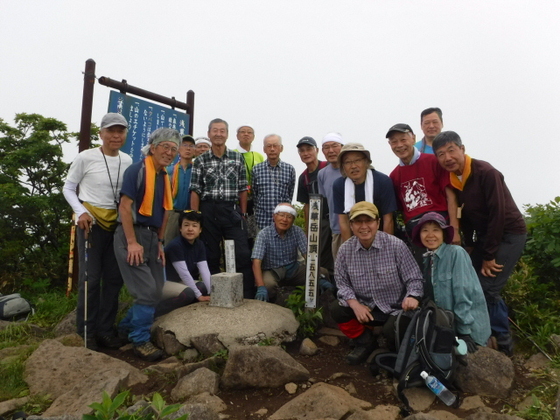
{"x":377,"y":278}
{"x":273,"y":181}
{"x":219,"y":190}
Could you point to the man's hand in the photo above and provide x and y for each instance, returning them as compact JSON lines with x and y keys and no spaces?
{"x":409,"y":304}
{"x":203,"y":298}
{"x":85,"y":221}
{"x":362,"y":312}
{"x":135,"y":254}
{"x":456,"y":238}
{"x":490,"y":267}
{"x":161,"y":254}
{"x":262,"y":294}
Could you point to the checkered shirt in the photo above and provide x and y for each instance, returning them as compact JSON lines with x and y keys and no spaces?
{"x":275,"y":251}
{"x":381,"y":276}
{"x":219,"y":178}
{"x":272,"y":185}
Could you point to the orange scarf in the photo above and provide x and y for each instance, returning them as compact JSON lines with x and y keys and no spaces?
{"x":458,"y":183}
{"x":175,"y":180}
{"x":150,"y":181}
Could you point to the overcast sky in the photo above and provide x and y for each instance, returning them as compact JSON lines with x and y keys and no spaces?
{"x":300,"y":68}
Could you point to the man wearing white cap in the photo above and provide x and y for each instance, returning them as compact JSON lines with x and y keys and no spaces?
{"x":278,"y":255}
{"x":331,"y":145}
{"x":201,"y":145}
{"x":98,"y":173}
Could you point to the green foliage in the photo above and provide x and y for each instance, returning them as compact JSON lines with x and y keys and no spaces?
{"x":534,"y":305}
{"x":543,"y":246}
{"x":222,"y":354}
{"x":15,"y":334}
{"x":12,"y":368}
{"x":268,"y":341}
{"x":300,"y":219}
{"x":113,"y":409}
{"x":51,"y":307}
{"x":543,"y":404}
{"x":37,"y":404}
{"x":34,"y":217}
{"x":309,"y":319}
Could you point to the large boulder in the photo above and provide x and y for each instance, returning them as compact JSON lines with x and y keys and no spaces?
{"x":321,"y":401}
{"x":489,"y":373}
{"x":54,"y":369}
{"x":249,"y":323}
{"x":261,"y":367}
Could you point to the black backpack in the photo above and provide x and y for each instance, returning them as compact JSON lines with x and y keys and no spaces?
{"x":428,"y":345}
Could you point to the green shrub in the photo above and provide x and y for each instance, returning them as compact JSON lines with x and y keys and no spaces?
{"x":309,"y":319}
{"x":12,"y":368}
{"x":534,"y":305}
{"x":109,"y":409}
{"x":543,"y":245}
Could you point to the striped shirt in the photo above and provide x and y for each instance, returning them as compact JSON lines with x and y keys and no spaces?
{"x":381,"y":276}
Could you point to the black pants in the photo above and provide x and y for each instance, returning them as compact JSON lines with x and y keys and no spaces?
{"x":104,"y":282}
{"x":222,"y":220}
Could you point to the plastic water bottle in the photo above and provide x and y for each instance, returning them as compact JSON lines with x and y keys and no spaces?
{"x":438,"y":388}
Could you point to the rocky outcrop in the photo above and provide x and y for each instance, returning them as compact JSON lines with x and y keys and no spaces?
{"x":250,"y":323}
{"x":261,"y":367}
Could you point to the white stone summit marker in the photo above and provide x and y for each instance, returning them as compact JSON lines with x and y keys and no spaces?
{"x":227,"y":290}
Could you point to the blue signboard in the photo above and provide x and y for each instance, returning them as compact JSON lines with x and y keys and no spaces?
{"x":144,"y":117}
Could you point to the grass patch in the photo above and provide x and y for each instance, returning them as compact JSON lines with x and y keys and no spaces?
{"x":51,"y":307}
{"x":12,"y":368}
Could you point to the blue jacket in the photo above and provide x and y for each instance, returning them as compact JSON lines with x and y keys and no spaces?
{"x":457,"y":288}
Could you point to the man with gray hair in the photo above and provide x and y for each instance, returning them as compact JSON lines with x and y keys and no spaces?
{"x":219,"y":190}
{"x":98,"y":173}
{"x":145,"y":199}
{"x":273,"y":181}
{"x":493,"y":228}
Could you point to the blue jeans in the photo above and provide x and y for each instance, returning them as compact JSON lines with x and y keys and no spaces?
{"x":137,"y":323}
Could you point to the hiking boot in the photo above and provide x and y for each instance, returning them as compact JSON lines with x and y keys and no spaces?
{"x":111,"y":341}
{"x":148,"y":352}
{"x":505,"y":344}
{"x":91,"y":343}
{"x":364,"y":346}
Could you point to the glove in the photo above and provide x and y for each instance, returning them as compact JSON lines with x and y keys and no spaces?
{"x":262,"y":294}
{"x":471,"y":345}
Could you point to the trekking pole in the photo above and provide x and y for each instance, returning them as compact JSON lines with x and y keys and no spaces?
{"x":71,"y":257}
{"x":86,"y":246}
{"x":528,"y":337}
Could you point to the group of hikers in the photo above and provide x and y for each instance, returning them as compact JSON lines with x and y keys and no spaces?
{"x":158,"y":226}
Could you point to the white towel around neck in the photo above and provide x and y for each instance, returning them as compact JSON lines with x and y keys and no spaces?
{"x":350,"y":191}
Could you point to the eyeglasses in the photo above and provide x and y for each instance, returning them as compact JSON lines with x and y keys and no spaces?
{"x":188,"y":146}
{"x":168,"y":148}
{"x":353,"y":162}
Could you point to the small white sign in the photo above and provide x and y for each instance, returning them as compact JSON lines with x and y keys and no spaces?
{"x":229,"y":247}
{"x":312,"y":273}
